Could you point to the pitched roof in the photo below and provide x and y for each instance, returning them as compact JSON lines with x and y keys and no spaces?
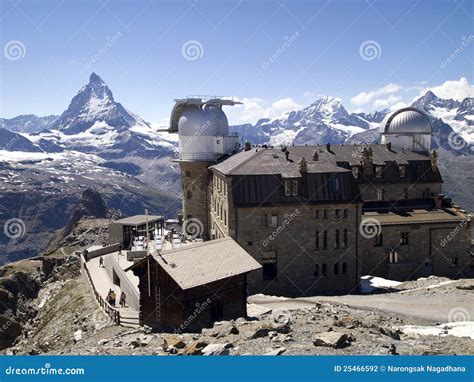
{"x":203,"y":263}
{"x":261,"y":161}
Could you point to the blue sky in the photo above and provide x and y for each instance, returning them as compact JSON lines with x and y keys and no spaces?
{"x":274,"y":55}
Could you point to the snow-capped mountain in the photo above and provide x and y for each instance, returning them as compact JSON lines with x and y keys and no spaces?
{"x":457,"y":114}
{"x":325,"y":120}
{"x":95,"y":103}
{"x":29,"y":123}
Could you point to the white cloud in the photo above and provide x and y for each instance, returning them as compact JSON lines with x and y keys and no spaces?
{"x":253,"y":109}
{"x":457,"y":90}
{"x":366,"y":97}
{"x":386,"y":102}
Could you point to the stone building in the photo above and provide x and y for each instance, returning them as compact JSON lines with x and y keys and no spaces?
{"x":318,"y":217}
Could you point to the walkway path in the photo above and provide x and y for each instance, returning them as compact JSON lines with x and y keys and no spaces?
{"x":103,"y":284}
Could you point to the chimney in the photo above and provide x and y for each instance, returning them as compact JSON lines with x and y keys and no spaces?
{"x":247,"y":146}
{"x":328,"y":147}
{"x":303,"y":165}
{"x":368,"y":160}
{"x":434,"y":160}
{"x":316,"y":156}
{"x":389,"y":146}
{"x":438,"y":199}
{"x":287,"y":154}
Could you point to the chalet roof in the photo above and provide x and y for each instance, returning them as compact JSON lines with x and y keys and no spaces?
{"x":261,"y":161}
{"x":203,"y":263}
{"x":138,"y":219}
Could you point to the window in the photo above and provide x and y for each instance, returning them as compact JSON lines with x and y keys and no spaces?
{"x":355,"y":172}
{"x":344,"y":269}
{"x":218,"y":141}
{"x":405,"y":193}
{"x":336,"y":269}
{"x":225,"y":217}
{"x":393,"y":257}
{"x":269,"y":271}
{"x":378,"y":171}
{"x":334,"y":184}
{"x":345,"y":213}
{"x":378,"y":240}
{"x":337,"y":213}
{"x":188,"y":174}
{"x":337,"y":239}
{"x":428,"y":192}
{"x":316,"y":270}
{"x":249,"y":243}
{"x":188,"y":195}
{"x":264,"y":220}
{"x":325,"y":240}
{"x":325,"y":214}
{"x":402,"y":171}
{"x":274,"y":220}
{"x":325,"y":270}
{"x":454,"y":261}
{"x":344,"y":238}
{"x":380,"y":194}
{"x":316,"y":240}
{"x":404,"y":238}
{"x":316,"y":214}
{"x":291,"y":187}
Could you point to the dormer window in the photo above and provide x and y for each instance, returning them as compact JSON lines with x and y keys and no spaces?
{"x":355,"y":172}
{"x":402,"y":171}
{"x":291,"y":187}
{"x":378,"y":171}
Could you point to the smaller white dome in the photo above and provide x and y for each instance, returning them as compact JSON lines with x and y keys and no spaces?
{"x":408,"y":120}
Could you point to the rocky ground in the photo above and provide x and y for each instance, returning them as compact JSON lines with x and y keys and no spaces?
{"x":47,"y":308}
{"x":69,"y":321}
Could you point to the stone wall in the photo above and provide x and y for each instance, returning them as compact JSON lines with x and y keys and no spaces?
{"x":428,"y":251}
{"x":194,"y":181}
{"x":290,"y":244}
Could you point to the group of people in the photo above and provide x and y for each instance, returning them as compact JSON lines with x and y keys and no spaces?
{"x":112,"y":297}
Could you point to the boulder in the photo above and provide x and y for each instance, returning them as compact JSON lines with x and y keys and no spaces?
{"x":265,"y":328}
{"x":277,"y":351}
{"x":173,"y":342}
{"x":216,"y":349}
{"x":195,"y":348}
{"x":336,"y":340}
{"x":395,"y":334}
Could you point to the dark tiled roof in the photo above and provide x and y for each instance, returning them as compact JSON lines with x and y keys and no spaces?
{"x":260,"y":161}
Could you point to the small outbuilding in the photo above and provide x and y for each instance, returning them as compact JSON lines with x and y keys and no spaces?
{"x":192,"y":287}
{"x":123,"y":230}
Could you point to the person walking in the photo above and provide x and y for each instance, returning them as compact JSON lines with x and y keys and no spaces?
{"x":113,"y":298}
{"x":101,"y":262}
{"x":123,"y":298}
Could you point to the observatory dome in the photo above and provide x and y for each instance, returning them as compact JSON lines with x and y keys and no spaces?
{"x":405,"y":122}
{"x":204,"y":121}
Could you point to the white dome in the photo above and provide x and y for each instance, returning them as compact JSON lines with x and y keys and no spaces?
{"x":405,"y":122}
{"x":207,"y":121}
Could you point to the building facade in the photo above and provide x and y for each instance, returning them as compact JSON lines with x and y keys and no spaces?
{"x":319,"y":217}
